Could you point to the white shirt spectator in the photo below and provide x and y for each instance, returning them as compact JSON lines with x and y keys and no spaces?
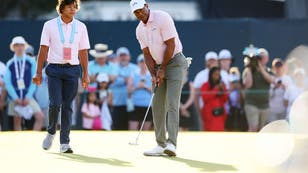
{"x":277,"y":95}
{"x":203,"y":76}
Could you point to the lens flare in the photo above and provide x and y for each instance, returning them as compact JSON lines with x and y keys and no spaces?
{"x":274,"y":144}
{"x":299,"y":114}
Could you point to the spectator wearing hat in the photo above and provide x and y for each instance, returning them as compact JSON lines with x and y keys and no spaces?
{"x":225,"y":60}
{"x":235,"y":87}
{"x":18,"y":77}
{"x":236,"y":119}
{"x":256,"y":80}
{"x":211,"y":60}
{"x":277,"y":90}
{"x":235,"y":90}
{"x":140,"y":89}
{"x":100,"y":64}
{"x":121,"y":102}
{"x":105,"y":100}
{"x":104,"y":92}
{"x":2,"y":91}
{"x":295,"y":90}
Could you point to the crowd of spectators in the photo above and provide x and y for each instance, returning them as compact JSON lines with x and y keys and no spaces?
{"x":220,"y":98}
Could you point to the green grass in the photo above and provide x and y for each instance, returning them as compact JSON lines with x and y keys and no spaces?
{"x":110,"y":152}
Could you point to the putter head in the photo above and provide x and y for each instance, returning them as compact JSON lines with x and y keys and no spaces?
{"x":133,"y":143}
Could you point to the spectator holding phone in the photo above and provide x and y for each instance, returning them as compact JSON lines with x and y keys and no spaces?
{"x":277,"y":90}
{"x":122,"y":104}
{"x":214,"y":96}
{"x":140,"y":90}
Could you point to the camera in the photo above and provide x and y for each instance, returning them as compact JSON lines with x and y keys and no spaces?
{"x":251,"y":56}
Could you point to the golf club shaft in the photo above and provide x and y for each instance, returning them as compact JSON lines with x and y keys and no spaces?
{"x":146,"y":114}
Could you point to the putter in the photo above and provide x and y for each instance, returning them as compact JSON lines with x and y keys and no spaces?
{"x":135,"y":142}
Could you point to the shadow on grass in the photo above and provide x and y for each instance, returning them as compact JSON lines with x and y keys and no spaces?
{"x":203,"y":166}
{"x":89,"y":159}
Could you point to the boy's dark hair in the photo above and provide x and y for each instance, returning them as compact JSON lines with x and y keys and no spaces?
{"x":63,"y":3}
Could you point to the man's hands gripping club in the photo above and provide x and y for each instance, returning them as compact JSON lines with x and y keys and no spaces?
{"x":158,"y":79}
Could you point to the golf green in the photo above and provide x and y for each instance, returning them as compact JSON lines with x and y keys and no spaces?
{"x":100,"y":151}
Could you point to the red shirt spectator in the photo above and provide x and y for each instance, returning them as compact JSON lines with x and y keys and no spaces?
{"x":214,"y":96}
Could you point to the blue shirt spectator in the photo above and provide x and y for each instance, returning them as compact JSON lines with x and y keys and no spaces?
{"x":124,"y":70}
{"x":121,"y":104}
{"x":10,"y":78}
{"x":119,"y":86}
{"x":95,"y":68}
{"x":19,"y":86}
{"x":141,"y":96}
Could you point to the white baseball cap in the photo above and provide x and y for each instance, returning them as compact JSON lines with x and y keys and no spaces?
{"x":225,"y":54}
{"x":102,"y":77}
{"x":234,"y":78}
{"x":136,"y":5}
{"x":211,"y":55}
{"x":18,"y":40}
{"x":123,"y":50}
{"x":263,"y":52}
{"x":140,"y":58}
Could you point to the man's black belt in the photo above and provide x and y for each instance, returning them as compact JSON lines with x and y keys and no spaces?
{"x":67,"y":65}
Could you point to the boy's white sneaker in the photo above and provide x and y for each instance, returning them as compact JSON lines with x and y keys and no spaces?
{"x":65,"y":148}
{"x":48,"y":141}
